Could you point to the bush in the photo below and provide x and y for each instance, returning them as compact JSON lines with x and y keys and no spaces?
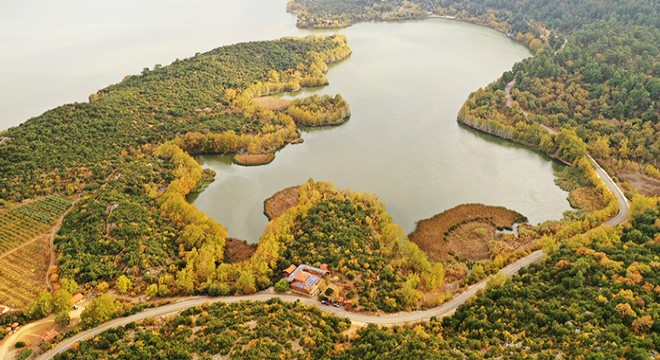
{"x":329,"y":291}
{"x":282,"y":286}
{"x":20,"y":344}
{"x":24,"y":354}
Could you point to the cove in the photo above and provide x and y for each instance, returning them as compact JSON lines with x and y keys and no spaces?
{"x":405,"y":83}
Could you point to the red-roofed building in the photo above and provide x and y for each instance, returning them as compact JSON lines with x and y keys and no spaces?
{"x":77,"y":297}
{"x":306,"y":279}
{"x":324,"y":267}
{"x":289,"y":270}
{"x":49,"y":335}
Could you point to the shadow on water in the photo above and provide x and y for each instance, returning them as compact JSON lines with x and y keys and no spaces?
{"x":556,"y":164}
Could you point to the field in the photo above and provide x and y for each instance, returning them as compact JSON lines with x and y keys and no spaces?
{"x":25,"y":222}
{"x":24,"y":250}
{"x":23,"y":273}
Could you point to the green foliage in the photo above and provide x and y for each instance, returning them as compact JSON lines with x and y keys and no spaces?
{"x":247,"y":330}
{"x":580,"y":303}
{"x":62,"y":318}
{"x":100,"y":310}
{"x":354,"y":235}
{"x":69,"y":285}
{"x":319,"y":110}
{"x":282,"y":285}
{"x":25,"y":354}
{"x":123,"y":284}
{"x":41,"y":306}
{"x":601,"y":83}
{"x":80,"y":144}
{"x":61,"y":301}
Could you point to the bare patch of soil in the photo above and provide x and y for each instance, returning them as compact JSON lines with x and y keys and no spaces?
{"x":467,"y":231}
{"x":282,"y":200}
{"x":645,"y":185}
{"x":238,"y":250}
{"x":253,"y":159}
{"x":272,"y":102}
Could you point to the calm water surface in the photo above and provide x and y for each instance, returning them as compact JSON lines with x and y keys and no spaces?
{"x":405,"y":83}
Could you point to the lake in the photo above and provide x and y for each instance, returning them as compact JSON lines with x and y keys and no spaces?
{"x":405,"y":82}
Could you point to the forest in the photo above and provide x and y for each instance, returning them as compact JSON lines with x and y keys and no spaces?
{"x":594,"y":82}
{"x":75,"y":147}
{"x":125,"y":158}
{"x":371,"y":259}
{"x":596,"y":297}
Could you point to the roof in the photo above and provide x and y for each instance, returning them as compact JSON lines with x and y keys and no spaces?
{"x":308,"y":284}
{"x":49,"y":335}
{"x":324,"y":267}
{"x":77,"y":297}
{"x":306,"y":268}
{"x":301,"y":276}
{"x":290,"y":269}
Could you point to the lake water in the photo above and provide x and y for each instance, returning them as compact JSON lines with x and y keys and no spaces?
{"x":405,"y":83}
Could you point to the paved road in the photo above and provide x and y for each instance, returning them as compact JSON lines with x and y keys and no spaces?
{"x":445,"y":309}
{"x":624,"y":207}
{"x":392,"y":319}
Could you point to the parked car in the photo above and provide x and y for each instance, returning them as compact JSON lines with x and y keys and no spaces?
{"x":335,"y":304}
{"x":325,"y":302}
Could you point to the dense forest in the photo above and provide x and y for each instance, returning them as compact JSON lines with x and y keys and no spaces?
{"x":371,"y":259}
{"x":125,"y":158}
{"x":595,"y":78}
{"x":80,"y":144}
{"x":596,"y":297}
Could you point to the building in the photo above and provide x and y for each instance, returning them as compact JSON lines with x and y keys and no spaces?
{"x":77,"y":297}
{"x":49,"y":335}
{"x":305,"y":279}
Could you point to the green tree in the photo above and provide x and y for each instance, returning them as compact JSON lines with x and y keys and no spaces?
{"x":100,"y":310}
{"x":69,"y":285}
{"x":62,"y":318}
{"x":152,"y":290}
{"x":123,"y":284}
{"x":282,"y":285}
{"x":61,"y":301}
{"x":41,"y":306}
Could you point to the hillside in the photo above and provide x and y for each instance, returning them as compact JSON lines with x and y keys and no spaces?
{"x":127,"y":155}
{"x":596,"y":297}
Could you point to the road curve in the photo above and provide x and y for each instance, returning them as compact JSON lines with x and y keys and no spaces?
{"x":392,"y":319}
{"x":624,"y":206}
{"x":445,"y":309}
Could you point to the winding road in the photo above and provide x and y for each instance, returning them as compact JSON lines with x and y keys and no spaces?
{"x":445,"y":309}
{"x":624,"y":206}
